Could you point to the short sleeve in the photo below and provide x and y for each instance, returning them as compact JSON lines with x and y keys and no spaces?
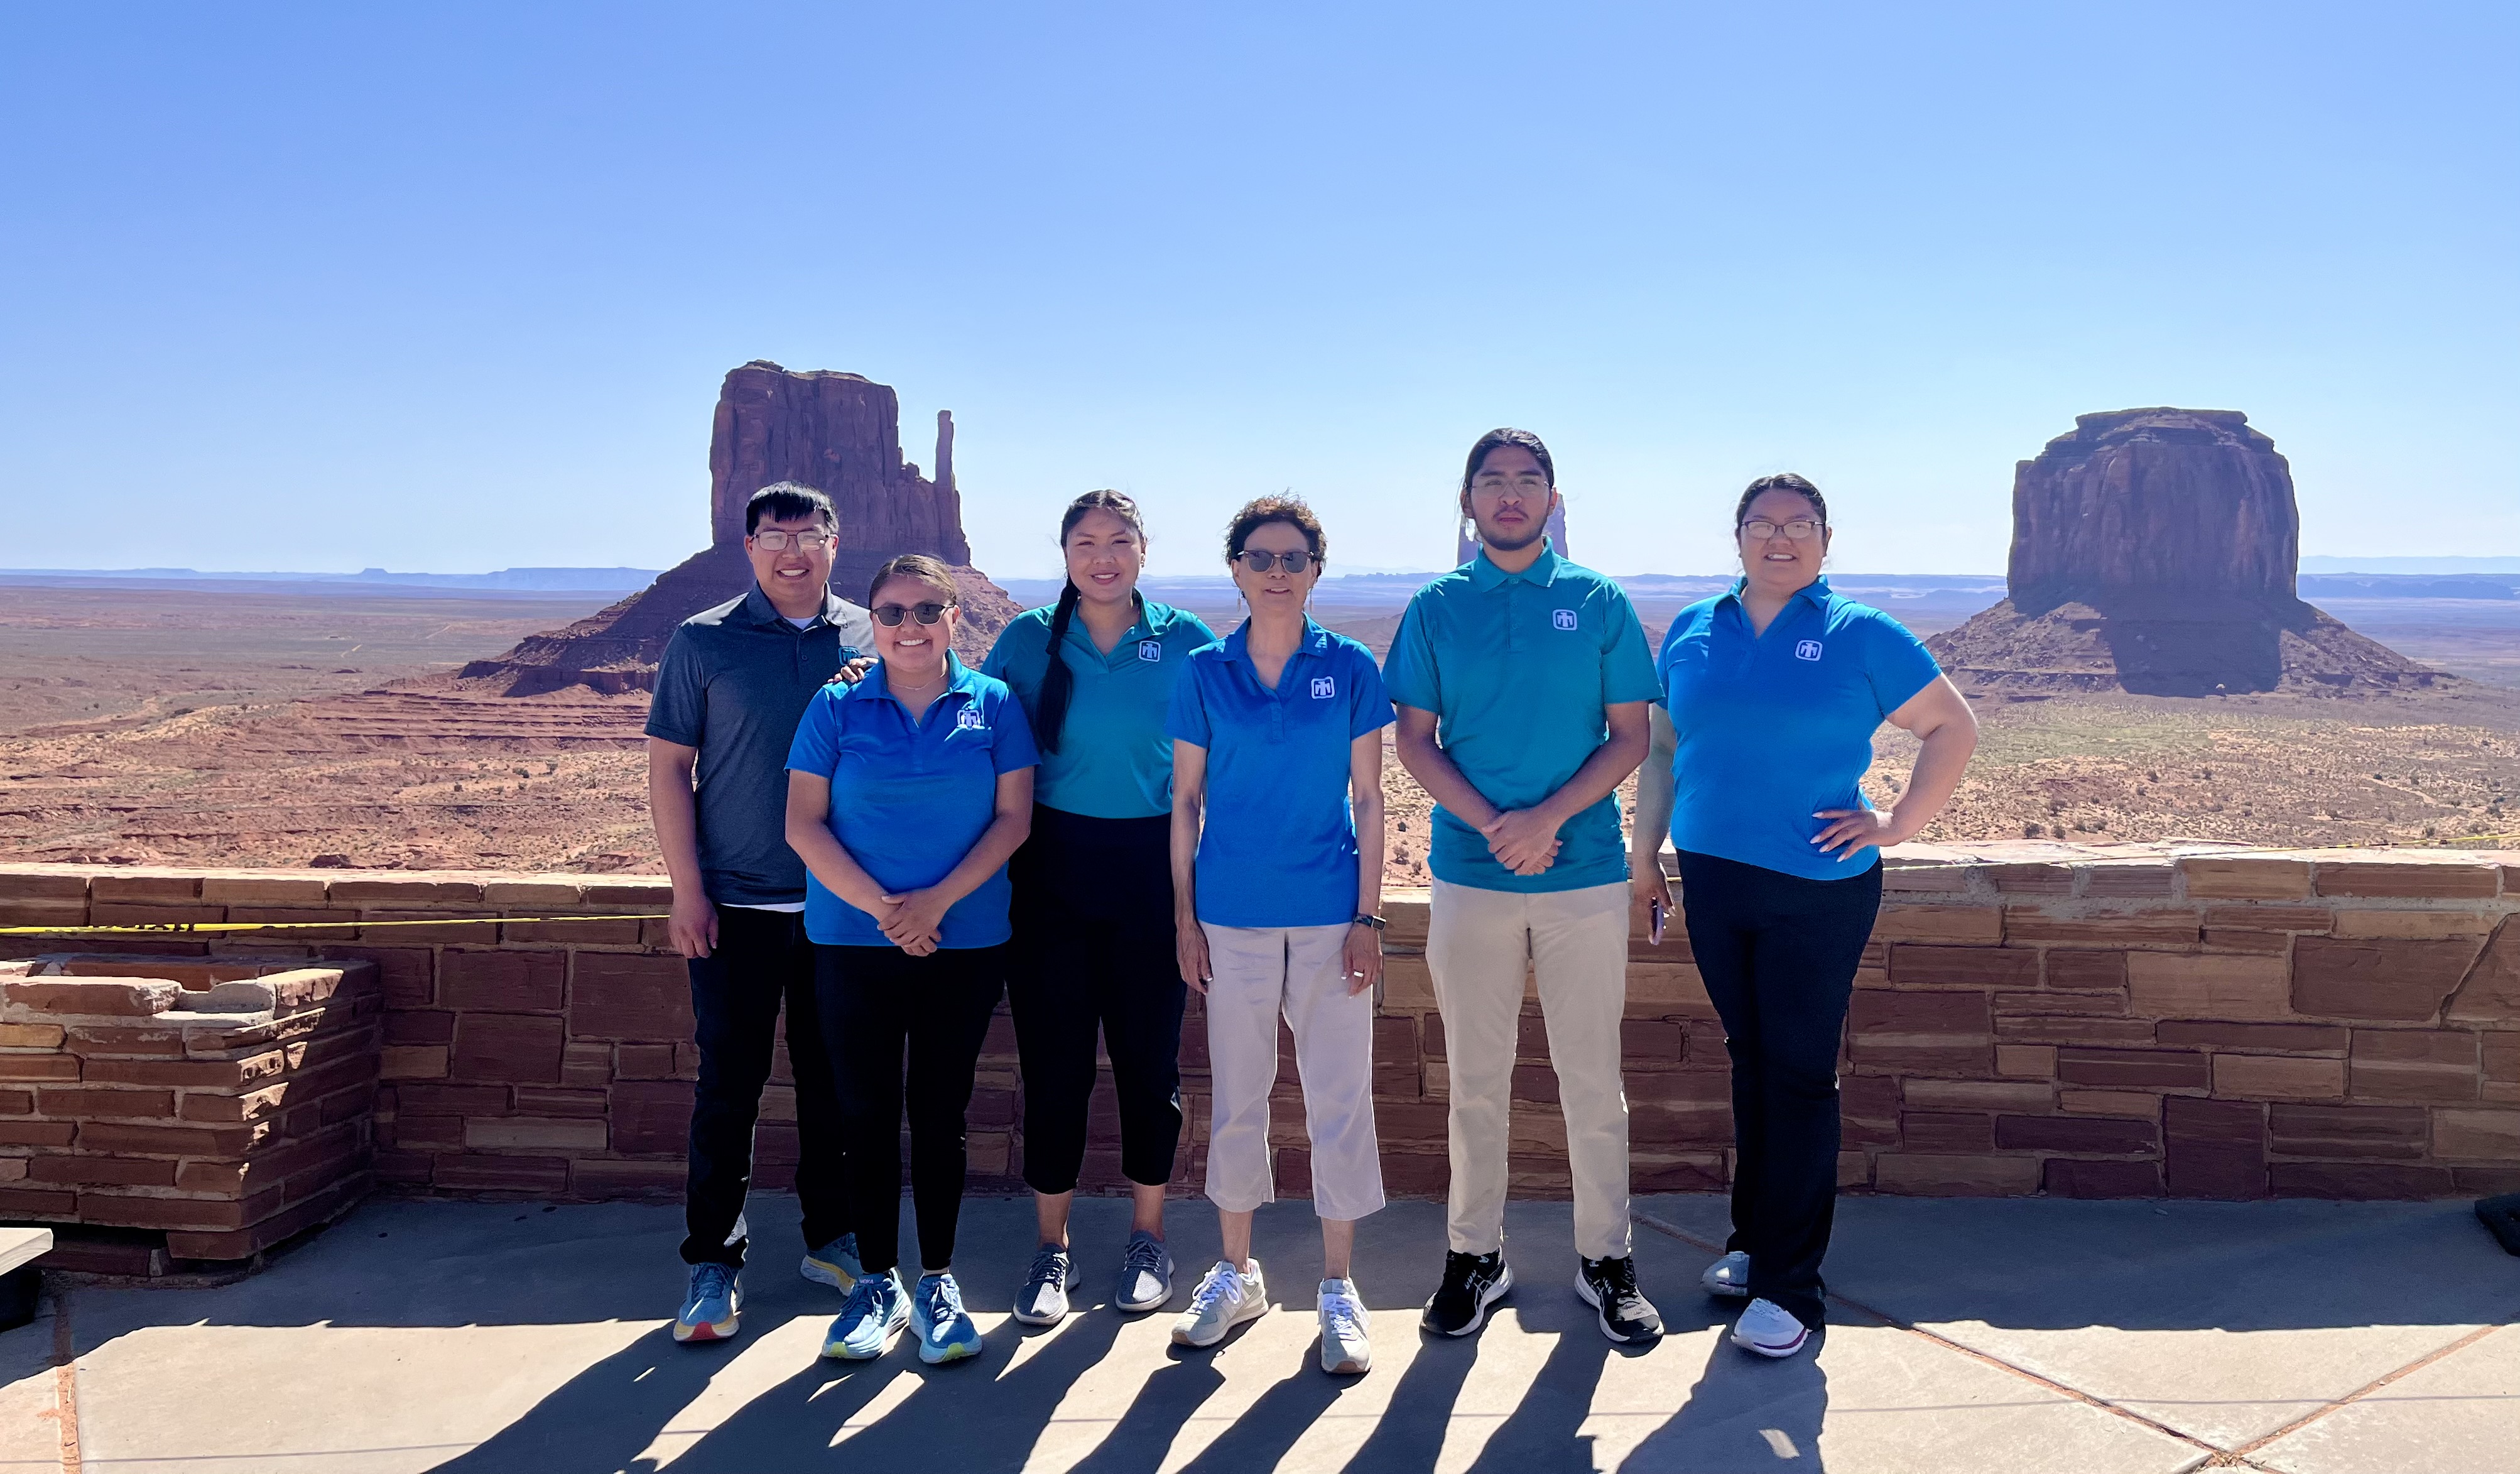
{"x":1369,"y":703}
{"x":1186,"y":720}
{"x":1408,"y":672}
{"x":816,"y":748}
{"x":1896,"y":663}
{"x":1662,"y":660}
{"x":1010,"y":745}
{"x":1627,"y":668}
{"x":679,"y":711}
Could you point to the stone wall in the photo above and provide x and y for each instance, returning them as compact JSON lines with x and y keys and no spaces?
{"x":2318,"y":1024}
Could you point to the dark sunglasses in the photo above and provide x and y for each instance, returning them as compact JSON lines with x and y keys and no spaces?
{"x":1260,"y":563}
{"x":891,"y":616}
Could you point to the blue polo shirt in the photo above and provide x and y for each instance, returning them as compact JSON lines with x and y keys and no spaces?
{"x":910,"y":799}
{"x":1519,"y":669}
{"x":1278,"y":845}
{"x":1776,"y":726}
{"x":1113,"y":760}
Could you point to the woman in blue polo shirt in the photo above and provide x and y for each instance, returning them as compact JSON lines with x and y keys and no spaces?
{"x":1092,"y":949}
{"x":1772,"y":693}
{"x":1276,"y":857}
{"x":906,"y":793}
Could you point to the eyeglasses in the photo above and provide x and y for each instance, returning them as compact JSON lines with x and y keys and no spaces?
{"x":1528,"y":483}
{"x":1260,"y":563}
{"x":774,"y":541}
{"x":1800,"y":529}
{"x":891,"y":616}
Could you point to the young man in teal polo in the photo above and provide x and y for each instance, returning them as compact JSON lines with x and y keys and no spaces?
{"x":1523,"y":686}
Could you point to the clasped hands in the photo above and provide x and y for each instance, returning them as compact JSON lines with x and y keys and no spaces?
{"x":1523,"y":840}
{"x":913,"y":920}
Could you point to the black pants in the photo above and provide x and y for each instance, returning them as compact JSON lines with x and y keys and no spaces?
{"x":878,"y":1001}
{"x":1778,"y":954}
{"x":1094,"y":951}
{"x":761,"y":960}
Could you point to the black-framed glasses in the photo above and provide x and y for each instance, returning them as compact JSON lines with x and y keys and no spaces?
{"x":1260,"y":563}
{"x":1799,"y":530}
{"x":891,"y":616}
{"x":776,"y":540}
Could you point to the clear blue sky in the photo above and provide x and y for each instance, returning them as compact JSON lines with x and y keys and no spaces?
{"x":451,"y":288}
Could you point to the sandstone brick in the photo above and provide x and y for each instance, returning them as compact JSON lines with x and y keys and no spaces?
{"x":586,"y":1064}
{"x":631,"y":893}
{"x":1945,"y":1131}
{"x":2066,"y":1177}
{"x":2076,"y":971}
{"x":2490,"y":993}
{"x":2138,"y":1069}
{"x":32,"y":1036}
{"x":150,"y":913}
{"x":2091,"y":1134}
{"x":59,"y":913}
{"x":2427,"y":880}
{"x":146,"y":886}
{"x":2361,"y":1180}
{"x":33,"y":1068}
{"x":2214,"y":1148}
{"x":2414,"y":1064}
{"x":2347,"y":1131}
{"x":41,"y":885}
{"x":2204,"y":985}
{"x":2177,"y":930}
{"x":106,"y":1104}
{"x":1936,"y":1175}
{"x":129,"y":1140}
{"x":93,"y":998}
{"x":539,"y":1176}
{"x":2387,"y":981}
{"x":1918,"y":965}
{"x":2470,"y":1180}
{"x":651,"y":1116}
{"x":1961,"y":925}
{"x":412,"y":1062}
{"x":133,"y":1210}
{"x":2500,"y":1055}
{"x":1902,"y":874}
{"x":367,"y":891}
{"x":519,"y":1048}
{"x":625,"y":1179}
{"x":248,"y":1072}
{"x":2477,"y":1135}
{"x":2049,"y":1004}
{"x":2026,"y":1061}
{"x":1407,"y":984}
{"x":502,"y":982}
{"x":452,"y":1100}
{"x":2286,"y":1038}
{"x":118,"y":1172}
{"x":42,"y":1205}
{"x":2063,"y":1029}
{"x":552,"y":890}
{"x":2018,"y":1096}
{"x":2135,"y":1103}
{"x":2269,"y":918}
{"x":2031,"y":879}
{"x":2269,"y":1077}
{"x":535,"y":1133}
{"x":2142,"y":879}
{"x":2243,"y":878}
{"x":548,"y":1100}
{"x":17,"y":1102}
{"x":2250,"y":944}
{"x":16,"y":1130}
{"x":618,"y":995}
{"x":574,"y":931}
{"x":1664,"y":988}
{"x":2427,"y":924}
{"x":1921,"y":1031}
{"x":260,"y":888}
{"x":408,"y":975}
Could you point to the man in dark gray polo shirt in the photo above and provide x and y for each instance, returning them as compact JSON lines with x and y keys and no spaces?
{"x":733,"y":681}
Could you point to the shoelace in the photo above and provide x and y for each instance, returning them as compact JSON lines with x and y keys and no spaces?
{"x":1214,"y":1287}
{"x":1344,"y":1321}
{"x":944,"y":1301}
{"x":863,"y":1297}
{"x":1144,"y":1255}
{"x":1049,"y":1267}
{"x":1459,"y":1271}
{"x":712,"y":1283}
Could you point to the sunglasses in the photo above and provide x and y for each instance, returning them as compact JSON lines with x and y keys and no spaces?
{"x":1260,"y":563}
{"x":891,"y":616}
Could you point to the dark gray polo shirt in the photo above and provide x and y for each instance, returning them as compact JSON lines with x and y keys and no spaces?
{"x":734,"y":683}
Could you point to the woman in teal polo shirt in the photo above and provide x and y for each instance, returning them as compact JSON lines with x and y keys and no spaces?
{"x":1772,"y":694}
{"x":906,"y":794}
{"x":1277,"y":854}
{"x":1092,"y":949}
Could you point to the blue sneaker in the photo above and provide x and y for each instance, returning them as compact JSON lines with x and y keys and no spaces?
{"x":835,"y":1264}
{"x":710,"y":1305}
{"x":878,"y":1308}
{"x":1146,"y":1275}
{"x":945,"y":1333}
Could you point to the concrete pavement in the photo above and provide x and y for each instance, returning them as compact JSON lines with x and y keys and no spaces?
{"x":2308,"y":1338}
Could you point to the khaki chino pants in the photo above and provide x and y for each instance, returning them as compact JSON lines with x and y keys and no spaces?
{"x":1262,"y":973}
{"x":1478,"y":946}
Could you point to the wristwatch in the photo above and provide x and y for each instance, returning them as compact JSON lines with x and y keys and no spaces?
{"x":1364,"y":919}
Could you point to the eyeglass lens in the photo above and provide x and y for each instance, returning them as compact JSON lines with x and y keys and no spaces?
{"x":775,"y":540}
{"x":891,"y":616}
{"x":1260,"y":563}
{"x":1799,"y":530}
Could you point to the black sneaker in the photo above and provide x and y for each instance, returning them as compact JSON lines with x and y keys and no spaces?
{"x":1609,"y":1285}
{"x":1471,"y":1283}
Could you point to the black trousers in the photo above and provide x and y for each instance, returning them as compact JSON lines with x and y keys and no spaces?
{"x":761,"y":962}
{"x":1778,"y":954}
{"x":877,"y":1004}
{"x":1093,"y":953}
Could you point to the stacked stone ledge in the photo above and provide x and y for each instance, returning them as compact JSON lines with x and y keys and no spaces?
{"x":2080,"y":1021}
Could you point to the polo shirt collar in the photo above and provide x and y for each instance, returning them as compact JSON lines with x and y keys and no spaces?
{"x":758,"y":607}
{"x":1146,"y":628}
{"x":959,"y":679}
{"x":1486,"y":577}
{"x":1817,"y":593}
{"x":1237,"y":645}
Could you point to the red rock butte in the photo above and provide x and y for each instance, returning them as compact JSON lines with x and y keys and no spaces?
{"x":2154,"y":552}
{"x":837,"y":432}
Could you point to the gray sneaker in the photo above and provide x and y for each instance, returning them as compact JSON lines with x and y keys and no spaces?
{"x":1043,"y":1300}
{"x":1224,"y":1300}
{"x":1146,"y":1275}
{"x":1729,"y":1277}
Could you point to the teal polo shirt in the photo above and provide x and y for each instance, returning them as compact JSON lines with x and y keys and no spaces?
{"x":911,"y":798}
{"x":1113,"y":760}
{"x":1278,"y":848}
{"x":1521,"y":670}
{"x":1775,"y":728}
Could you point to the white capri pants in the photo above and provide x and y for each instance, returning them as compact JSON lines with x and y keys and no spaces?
{"x":1301,"y":972}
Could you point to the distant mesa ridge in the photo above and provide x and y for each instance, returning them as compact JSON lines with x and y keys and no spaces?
{"x":2154,"y":551}
{"x":837,"y":432}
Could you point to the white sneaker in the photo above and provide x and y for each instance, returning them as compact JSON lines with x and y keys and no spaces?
{"x":1769,"y":1330}
{"x":1729,"y":1277}
{"x":1224,"y":1300}
{"x":1345,"y":1352}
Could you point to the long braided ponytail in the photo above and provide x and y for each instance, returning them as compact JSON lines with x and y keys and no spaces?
{"x":1058,"y":682}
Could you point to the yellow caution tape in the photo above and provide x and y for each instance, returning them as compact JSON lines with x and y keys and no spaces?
{"x":171,"y":928}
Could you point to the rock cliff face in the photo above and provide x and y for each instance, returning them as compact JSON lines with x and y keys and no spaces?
{"x":2154,"y":551}
{"x":837,"y":432}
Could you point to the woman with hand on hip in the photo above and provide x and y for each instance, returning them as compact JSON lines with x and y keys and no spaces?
{"x":1277,"y":855}
{"x":1093,"y":892}
{"x":906,"y":793}
{"x":1772,"y":694}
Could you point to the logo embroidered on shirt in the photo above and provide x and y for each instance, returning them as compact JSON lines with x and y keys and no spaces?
{"x":1150,"y":649}
{"x":970,"y":719}
{"x":1807,"y":650}
{"x":1324,"y":687}
{"x":1563,"y":619}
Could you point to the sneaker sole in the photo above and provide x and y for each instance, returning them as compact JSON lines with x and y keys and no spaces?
{"x":1479,"y":1311}
{"x":1765,"y":1350}
{"x":688,"y":1332}
{"x":939,"y":1356}
{"x":823,"y":1273}
{"x":1035,"y":1317}
{"x":1184,"y":1338}
{"x":1584,"y":1293}
{"x":1726,"y":1291}
{"x":1142,"y":1307}
{"x":1355,"y":1368}
{"x":837,"y":1351}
